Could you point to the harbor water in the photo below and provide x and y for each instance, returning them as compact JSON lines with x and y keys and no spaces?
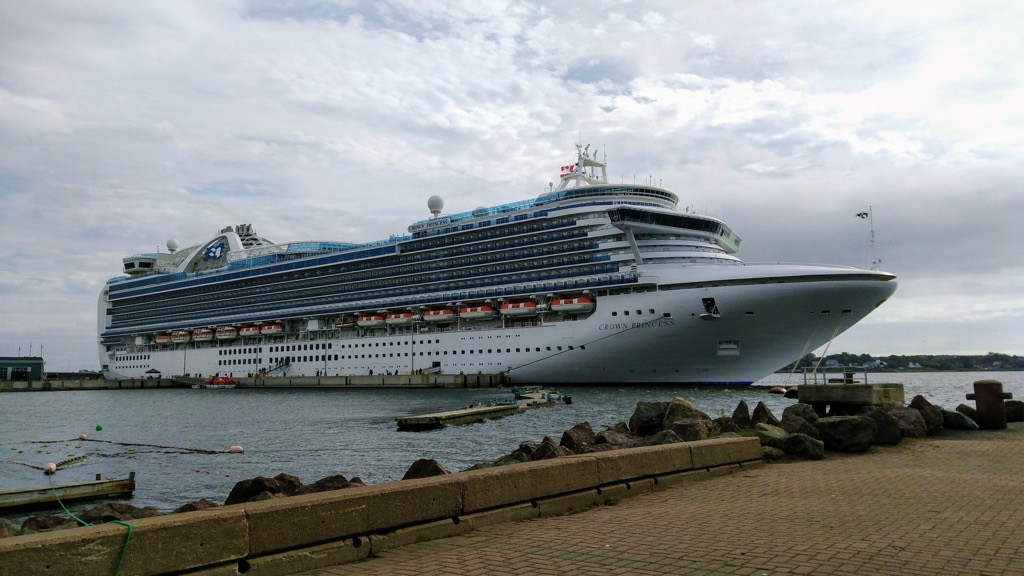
{"x":163,"y":435}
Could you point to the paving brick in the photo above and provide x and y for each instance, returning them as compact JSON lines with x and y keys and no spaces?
{"x":949,"y":504}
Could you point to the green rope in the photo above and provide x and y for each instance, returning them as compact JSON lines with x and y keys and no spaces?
{"x":127,"y":539}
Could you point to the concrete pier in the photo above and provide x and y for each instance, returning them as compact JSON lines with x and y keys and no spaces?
{"x":351,"y":381}
{"x":456,"y":417}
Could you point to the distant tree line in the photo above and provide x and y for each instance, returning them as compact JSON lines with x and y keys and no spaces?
{"x":951,"y":362}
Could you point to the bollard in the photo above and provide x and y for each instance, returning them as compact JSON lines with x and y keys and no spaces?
{"x":988,"y":397}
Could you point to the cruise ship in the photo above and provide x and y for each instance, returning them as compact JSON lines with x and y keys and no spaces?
{"x":590,"y":283}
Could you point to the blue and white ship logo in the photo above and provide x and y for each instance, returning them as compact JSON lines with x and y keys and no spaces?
{"x":214,"y":252}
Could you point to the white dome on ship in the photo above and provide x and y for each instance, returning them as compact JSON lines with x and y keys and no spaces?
{"x":172,"y":245}
{"x":435,"y":204}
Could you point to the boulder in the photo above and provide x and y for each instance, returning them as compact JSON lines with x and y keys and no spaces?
{"x":887,"y":427}
{"x":7,"y":528}
{"x":762,"y":415}
{"x":338,"y":482}
{"x":548,"y":449}
{"x":967,"y":411}
{"x":772,"y":454}
{"x":480,"y":466}
{"x":1014,"y":411}
{"x":954,"y":420}
{"x":246,"y":490}
{"x":117,"y":511}
{"x":724,"y":425}
{"x":932,"y":415}
{"x":741,"y":415}
{"x":663,"y":437}
{"x":618,"y":439}
{"x":795,"y":424}
{"x":803,"y":446}
{"x":513,"y":458}
{"x":847,"y":433}
{"x":647,"y":418}
{"x":267,"y":496}
{"x":770,"y":435}
{"x":578,"y":438}
{"x":690,"y":429}
{"x":911,"y":423}
{"x":804,"y":411}
{"x":425,"y":468}
{"x":681,"y":409}
{"x":45,"y":523}
{"x":201,"y":504}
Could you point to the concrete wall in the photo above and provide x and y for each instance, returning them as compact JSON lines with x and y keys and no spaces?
{"x":288,"y":535}
{"x":55,"y":385}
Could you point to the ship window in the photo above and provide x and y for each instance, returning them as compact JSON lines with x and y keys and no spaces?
{"x":615,"y":313}
{"x":651,"y":310}
{"x":639,"y":312}
{"x":517,"y":349}
{"x":625,"y":313}
{"x":570,"y":348}
{"x":559,"y":347}
{"x":583,"y":347}
{"x":549,"y":348}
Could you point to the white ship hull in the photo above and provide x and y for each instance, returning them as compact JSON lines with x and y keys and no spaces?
{"x":760,"y":328}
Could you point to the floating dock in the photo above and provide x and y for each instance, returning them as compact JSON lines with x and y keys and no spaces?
{"x":456,"y":417}
{"x":46,"y":496}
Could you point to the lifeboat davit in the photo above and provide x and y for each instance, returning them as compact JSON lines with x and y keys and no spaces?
{"x":163,"y":338}
{"x":439,"y":316}
{"x":343,"y":322}
{"x":249,"y":331}
{"x":370,"y":321}
{"x":581,"y":305}
{"x":226,"y":333}
{"x":477,"y":312}
{"x":400,"y":318}
{"x":271,"y":329}
{"x":181,"y":336}
{"x":528,"y":308}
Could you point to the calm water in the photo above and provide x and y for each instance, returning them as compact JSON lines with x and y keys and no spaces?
{"x":317,"y":433}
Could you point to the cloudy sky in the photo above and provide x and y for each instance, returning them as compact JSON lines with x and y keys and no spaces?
{"x":124,"y":124}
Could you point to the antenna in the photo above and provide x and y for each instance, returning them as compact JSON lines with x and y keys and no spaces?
{"x":875,"y":262}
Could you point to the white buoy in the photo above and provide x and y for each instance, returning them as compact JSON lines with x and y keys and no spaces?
{"x":235,"y":450}
{"x":50,"y":469}
{"x":81,"y":436}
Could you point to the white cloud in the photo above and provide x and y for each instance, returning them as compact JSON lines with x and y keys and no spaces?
{"x":123,"y":124}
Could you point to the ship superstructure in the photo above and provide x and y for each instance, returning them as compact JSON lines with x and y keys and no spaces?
{"x":589,"y":283}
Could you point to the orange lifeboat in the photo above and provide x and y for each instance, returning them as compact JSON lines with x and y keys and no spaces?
{"x":370,"y":321}
{"x":163,"y":338}
{"x":439,"y":316}
{"x":181,"y":336}
{"x":528,"y":308}
{"x":400,"y":318}
{"x":581,"y":305}
{"x":249,"y":331}
{"x":202,"y":335}
{"x":226,"y":333}
{"x":271,"y":329}
{"x":477,"y":312}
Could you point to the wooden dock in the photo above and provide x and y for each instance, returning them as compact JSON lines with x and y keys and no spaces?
{"x":456,"y":417}
{"x":44,"y":496}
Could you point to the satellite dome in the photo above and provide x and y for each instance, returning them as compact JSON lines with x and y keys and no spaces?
{"x":435,"y":204}
{"x":172,"y":244}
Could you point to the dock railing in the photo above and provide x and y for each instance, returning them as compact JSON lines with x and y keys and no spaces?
{"x":836,"y":375}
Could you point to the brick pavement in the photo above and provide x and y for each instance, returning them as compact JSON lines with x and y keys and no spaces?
{"x":952,"y":504}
